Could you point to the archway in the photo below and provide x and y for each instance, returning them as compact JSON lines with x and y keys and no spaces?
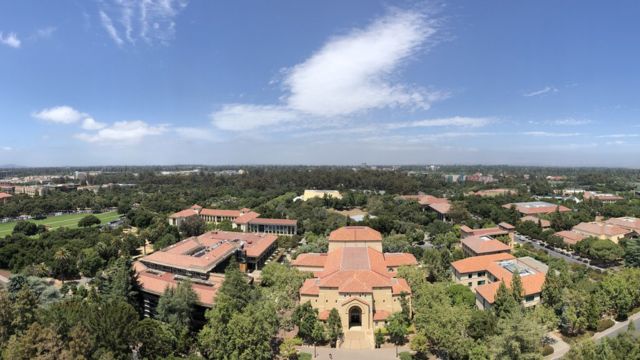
{"x":355,"y":317}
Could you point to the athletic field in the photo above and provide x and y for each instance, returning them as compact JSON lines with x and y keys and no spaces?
{"x":53,"y":222}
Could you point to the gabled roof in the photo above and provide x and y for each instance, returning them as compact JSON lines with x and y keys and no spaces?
{"x":246,"y":218}
{"x":479,"y":263}
{"x":626,"y":222}
{"x":441,"y":207}
{"x":220,"y":212}
{"x":399,"y":259}
{"x":600,"y":229}
{"x":4,"y":195}
{"x":183,"y":214}
{"x":536,"y":207}
{"x":570,"y":237}
{"x":310,"y":260}
{"x":485,"y":245}
{"x":355,"y":233}
{"x":531,"y":284}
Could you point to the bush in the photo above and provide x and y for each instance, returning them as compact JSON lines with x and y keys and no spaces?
{"x":304,"y":356}
{"x":547,"y":350}
{"x":405,"y":355}
{"x":604,"y":324}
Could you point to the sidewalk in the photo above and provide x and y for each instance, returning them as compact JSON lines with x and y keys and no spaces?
{"x":345,"y":354}
{"x":560,"y":348}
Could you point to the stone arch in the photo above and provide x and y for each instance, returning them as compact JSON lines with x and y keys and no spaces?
{"x":355,"y":316}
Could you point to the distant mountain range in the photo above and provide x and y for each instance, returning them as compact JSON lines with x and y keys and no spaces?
{"x":10,"y":166}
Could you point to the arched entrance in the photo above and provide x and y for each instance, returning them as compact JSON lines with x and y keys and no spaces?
{"x":355,"y":317}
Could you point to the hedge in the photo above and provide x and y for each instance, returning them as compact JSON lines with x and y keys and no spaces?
{"x":604,"y":324}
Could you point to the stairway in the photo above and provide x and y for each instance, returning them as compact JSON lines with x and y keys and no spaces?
{"x":355,"y":339}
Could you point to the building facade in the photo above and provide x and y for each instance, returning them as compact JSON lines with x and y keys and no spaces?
{"x":358,"y":280}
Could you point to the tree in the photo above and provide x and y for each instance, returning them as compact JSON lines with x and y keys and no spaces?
{"x":88,"y":221}
{"x":518,"y":338}
{"x":397,"y":328}
{"x":111,"y":322}
{"x":288,"y":348}
{"x":63,"y":265}
{"x":37,"y":342}
{"x":504,"y":303}
{"x":461,"y":295}
{"x":334,"y":327}
{"x":24,"y":310}
{"x":516,"y":288}
{"x":192,"y":226}
{"x":632,"y":253}
{"x":175,"y":306}
{"x":122,"y":282}
{"x":305,"y":317}
{"x":153,"y":339}
{"x":414,"y":275}
{"x":252,"y":331}
{"x":552,"y":291}
{"x":482,"y":324}
{"x":379,"y":338}
{"x":605,"y":251}
{"x":25,"y":227}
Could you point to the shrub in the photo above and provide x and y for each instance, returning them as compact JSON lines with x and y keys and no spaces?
{"x":604,"y":324}
{"x":405,"y":355}
{"x":304,"y":356}
{"x":547,"y":350}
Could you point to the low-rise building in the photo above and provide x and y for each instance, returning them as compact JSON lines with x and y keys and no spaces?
{"x":200,"y":260}
{"x":483,"y":274}
{"x":4,"y":197}
{"x":245,"y":219}
{"x":358,"y":280}
{"x":601,"y":230}
{"x":440,"y":206}
{"x":545,"y":224}
{"x":603,"y":197}
{"x":311,"y":194}
{"x":494,"y":192}
{"x":483,"y":245}
{"x":570,"y":237}
{"x":626,"y":222}
{"x":536,"y":207}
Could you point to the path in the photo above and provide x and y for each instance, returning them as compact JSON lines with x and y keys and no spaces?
{"x":554,"y":253}
{"x":344,"y":354}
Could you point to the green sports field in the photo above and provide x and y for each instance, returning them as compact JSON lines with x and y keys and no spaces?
{"x":53,"y":222}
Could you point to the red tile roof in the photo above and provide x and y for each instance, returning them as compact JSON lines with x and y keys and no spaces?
{"x":536,"y":207}
{"x":5,"y":195}
{"x":310,"y":260}
{"x":479,"y":263}
{"x":481,"y":245}
{"x":399,"y":259}
{"x":441,"y":207}
{"x":531,"y":284}
{"x":246,"y":218}
{"x":600,"y":229}
{"x":570,"y":237}
{"x":423,"y":199}
{"x":219,"y":212}
{"x":183,"y":214}
{"x":494,"y":231}
{"x":355,"y":233}
{"x":264,"y":221}
{"x":626,"y":222}
{"x":380,"y":315}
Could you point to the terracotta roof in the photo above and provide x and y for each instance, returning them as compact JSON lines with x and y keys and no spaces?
{"x":380,"y":315}
{"x":506,"y":226}
{"x":600,"y":229}
{"x":310,"y":260}
{"x":246,"y":218}
{"x":310,"y":287}
{"x":5,"y":195}
{"x":264,"y":221}
{"x":355,"y":233}
{"x":156,"y":282}
{"x":219,"y":212}
{"x":484,"y":245}
{"x":399,"y":259}
{"x":543,"y":222}
{"x":626,"y":222}
{"x":494,"y":231}
{"x":536,"y":207}
{"x":183,"y":214}
{"x":531,"y":284}
{"x":324,"y":315}
{"x":570,"y":237}
{"x":441,"y":207}
{"x":424,"y":199}
{"x":479,"y":263}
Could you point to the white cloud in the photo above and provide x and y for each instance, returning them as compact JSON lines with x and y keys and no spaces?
{"x":123,"y":131}
{"x":617,"y":136}
{"x":91,"y":124}
{"x":571,"y":122}
{"x":549,"y":134}
{"x":545,"y":90}
{"x":190,"y":133}
{"x":350,"y":73}
{"x":107,"y":23}
{"x":60,"y":114}
{"x":7,"y":148}
{"x":452,"y":121}
{"x":240,"y":117}
{"x":11,"y":40}
{"x":44,"y":33}
{"x":149,"y":20}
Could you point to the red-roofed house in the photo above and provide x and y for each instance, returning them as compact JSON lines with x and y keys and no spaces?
{"x":483,"y":245}
{"x":245,"y":219}
{"x":536,"y":207}
{"x":484,"y":274}
{"x":605,"y":198}
{"x":4,"y":197}
{"x":356,"y":278}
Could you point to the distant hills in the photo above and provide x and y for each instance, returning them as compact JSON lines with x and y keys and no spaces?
{"x":10,"y":166}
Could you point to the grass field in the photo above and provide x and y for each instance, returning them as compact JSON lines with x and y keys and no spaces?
{"x":53,"y":222}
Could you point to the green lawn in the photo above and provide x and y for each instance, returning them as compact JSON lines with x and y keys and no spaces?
{"x":53,"y":222}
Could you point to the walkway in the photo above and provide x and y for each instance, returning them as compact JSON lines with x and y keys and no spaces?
{"x":344,"y":354}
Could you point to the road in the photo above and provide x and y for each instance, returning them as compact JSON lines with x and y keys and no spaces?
{"x":553,"y":253}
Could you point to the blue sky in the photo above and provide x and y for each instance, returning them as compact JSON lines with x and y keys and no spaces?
{"x":319,"y":82}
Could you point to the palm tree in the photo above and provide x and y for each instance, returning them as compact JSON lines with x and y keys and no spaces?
{"x":62,"y":259}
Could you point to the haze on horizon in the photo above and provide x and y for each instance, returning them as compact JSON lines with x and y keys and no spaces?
{"x":249,"y":82}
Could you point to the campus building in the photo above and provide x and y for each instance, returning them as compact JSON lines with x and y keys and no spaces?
{"x":200,"y":260}
{"x":626,"y":222}
{"x":440,"y":206}
{"x":483,"y":274}
{"x":4,"y":197}
{"x":536,"y":207}
{"x":494,"y":192}
{"x":601,"y":230}
{"x":545,"y":224}
{"x":603,"y":197}
{"x":357,"y":279}
{"x":244,"y":219}
{"x":476,"y":242}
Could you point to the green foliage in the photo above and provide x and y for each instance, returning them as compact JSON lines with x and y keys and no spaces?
{"x":378,"y":338}
{"x":505,"y":303}
{"x":334,"y":327}
{"x":547,"y":350}
{"x":153,"y":339}
{"x":89,"y":220}
{"x":26,"y":228}
{"x":288,"y":349}
{"x":604,"y":324}
{"x":176,"y":305}
{"x":192,"y":226}
{"x":415,"y":276}
{"x":461,"y":295}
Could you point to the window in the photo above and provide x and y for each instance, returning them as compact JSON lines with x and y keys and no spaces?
{"x":481,"y":273}
{"x":529,"y":298}
{"x":481,"y":282}
{"x":469,"y":284}
{"x":470,"y":275}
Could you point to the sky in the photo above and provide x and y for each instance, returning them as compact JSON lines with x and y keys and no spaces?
{"x":142,"y":82}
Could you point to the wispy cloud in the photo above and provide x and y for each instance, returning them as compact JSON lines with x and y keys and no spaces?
{"x":549,"y":134}
{"x":545,"y":90}
{"x":10,"y":39}
{"x":107,"y":23}
{"x":153,"y":21}
{"x":7,"y":148}
{"x":43,"y":33}
{"x":123,"y":131}
{"x":617,"y":136}
{"x":571,"y":122}
{"x":460,"y":121}
{"x":350,"y":74}
{"x":91,"y":124}
{"x":60,"y":114}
